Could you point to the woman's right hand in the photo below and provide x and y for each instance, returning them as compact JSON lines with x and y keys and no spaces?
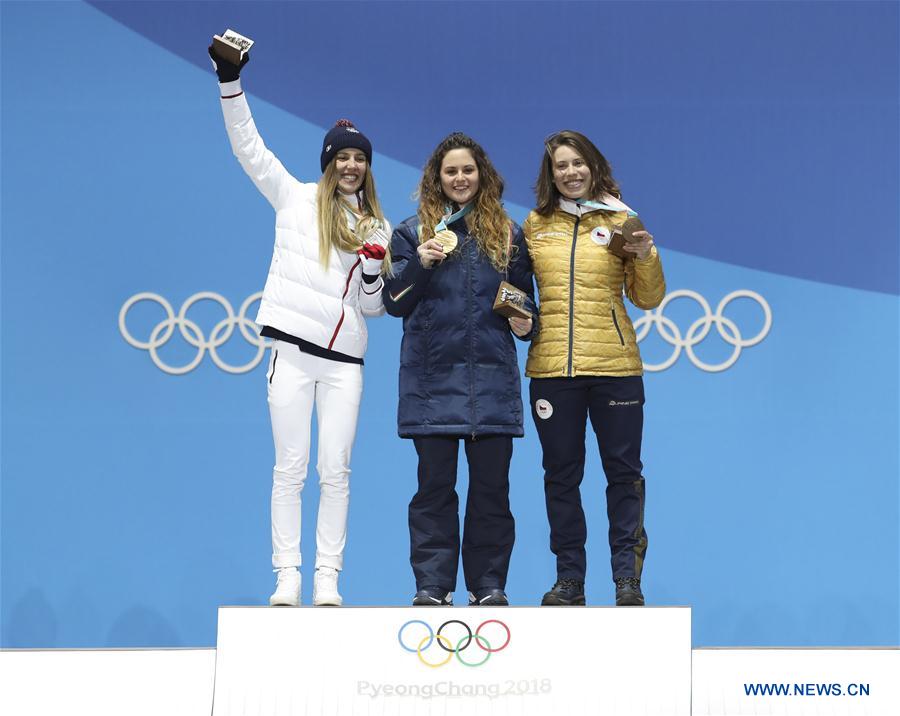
{"x":430,"y":253}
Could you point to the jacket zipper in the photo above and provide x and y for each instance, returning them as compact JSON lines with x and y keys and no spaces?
{"x":346,"y":289}
{"x":469,"y":331}
{"x":572,"y":293}
{"x":616,"y":324}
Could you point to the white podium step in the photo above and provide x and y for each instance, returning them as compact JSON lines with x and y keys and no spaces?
{"x":433,"y":661}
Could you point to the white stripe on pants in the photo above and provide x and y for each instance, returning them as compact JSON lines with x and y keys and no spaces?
{"x":295,"y":381}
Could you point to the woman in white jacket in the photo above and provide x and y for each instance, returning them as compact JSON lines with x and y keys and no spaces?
{"x":325,"y":276}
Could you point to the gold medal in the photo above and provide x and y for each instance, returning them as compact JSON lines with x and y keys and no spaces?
{"x":447,"y":240}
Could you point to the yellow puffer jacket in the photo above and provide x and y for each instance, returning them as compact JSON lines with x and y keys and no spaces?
{"x":584,"y":329}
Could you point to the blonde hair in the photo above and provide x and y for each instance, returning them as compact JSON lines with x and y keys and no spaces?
{"x":487,"y":221}
{"x":334,"y":231}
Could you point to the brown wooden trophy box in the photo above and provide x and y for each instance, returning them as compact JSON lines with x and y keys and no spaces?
{"x":231,"y":46}
{"x":510,"y":301}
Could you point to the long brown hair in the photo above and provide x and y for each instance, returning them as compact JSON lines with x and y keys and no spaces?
{"x":487,"y":221}
{"x":602,"y":181}
{"x":334,"y":231}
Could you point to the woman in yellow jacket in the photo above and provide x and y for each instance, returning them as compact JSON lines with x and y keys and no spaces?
{"x":585,"y":361}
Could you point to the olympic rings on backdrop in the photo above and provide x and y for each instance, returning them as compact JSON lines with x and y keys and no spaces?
{"x":193,"y":334}
{"x":667,"y":329}
{"x":699,"y":329}
{"x":444,"y":642}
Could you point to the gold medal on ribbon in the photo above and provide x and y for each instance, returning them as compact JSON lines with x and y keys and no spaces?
{"x":447,"y":240}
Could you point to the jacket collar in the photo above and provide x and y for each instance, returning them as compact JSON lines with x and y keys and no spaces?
{"x":353,"y":200}
{"x":352,"y":205}
{"x":570,"y":207}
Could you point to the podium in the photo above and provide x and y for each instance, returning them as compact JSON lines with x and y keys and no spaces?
{"x":443,"y":661}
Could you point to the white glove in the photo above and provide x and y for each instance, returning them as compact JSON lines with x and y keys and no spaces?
{"x":373,"y":252}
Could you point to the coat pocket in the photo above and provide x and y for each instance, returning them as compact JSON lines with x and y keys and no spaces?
{"x":615,"y":320}
{"x":272,"y":365}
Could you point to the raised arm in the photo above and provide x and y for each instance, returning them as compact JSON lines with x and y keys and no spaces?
{"x":263,"y":167}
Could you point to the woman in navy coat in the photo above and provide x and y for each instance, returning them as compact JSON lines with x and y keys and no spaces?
{"x":459,"y":375}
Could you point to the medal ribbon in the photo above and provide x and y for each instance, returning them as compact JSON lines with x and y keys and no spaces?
{"x":351,"y":211}
{"x":356,"y":215}
{"x":450,"y":218}
{"x":600,"y":205}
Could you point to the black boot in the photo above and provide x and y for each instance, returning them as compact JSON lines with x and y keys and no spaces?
{"x":433,"y":597}
{"x":488,"y":597}
{"x":628,"y":592}
{"x":565,"y":593}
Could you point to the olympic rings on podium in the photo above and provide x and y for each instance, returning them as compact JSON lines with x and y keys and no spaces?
{"x":415,"y":621}
{"x":495,"y":621}
{"x":467,"y":638}
{"x":487,"y":652}
{"x":450,"y":652}
{"x":447,"y":645}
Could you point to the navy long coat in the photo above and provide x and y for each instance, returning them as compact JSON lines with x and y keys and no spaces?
{"x":459,"y":374}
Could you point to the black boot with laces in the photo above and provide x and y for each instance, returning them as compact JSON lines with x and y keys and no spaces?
{"x":628,"y":592}
{"x":565,"y":593}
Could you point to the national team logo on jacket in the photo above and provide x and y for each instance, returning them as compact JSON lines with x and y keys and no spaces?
{"x":543,"y":408}
{"x":600,"y":235}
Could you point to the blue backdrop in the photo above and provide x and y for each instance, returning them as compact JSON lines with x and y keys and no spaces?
{"x":758,"y":141}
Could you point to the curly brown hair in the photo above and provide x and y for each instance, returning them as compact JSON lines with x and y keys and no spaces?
{"x":602,"y":181}
{"x":488,"y":221}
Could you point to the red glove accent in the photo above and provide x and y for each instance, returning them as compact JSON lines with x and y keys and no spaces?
{"x":372,"y":251}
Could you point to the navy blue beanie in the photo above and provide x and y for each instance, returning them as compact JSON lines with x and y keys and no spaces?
{"x":343,"y":135}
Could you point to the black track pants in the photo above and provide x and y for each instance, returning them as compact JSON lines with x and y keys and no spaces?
{"x":489,"y":530}
{"x":560,"y":408}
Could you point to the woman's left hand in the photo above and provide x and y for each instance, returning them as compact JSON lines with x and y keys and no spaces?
{"x":640,"y":244}
{"x":520,"y":326}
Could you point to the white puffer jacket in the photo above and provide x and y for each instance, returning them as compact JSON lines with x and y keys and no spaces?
{"x":324,"y":307}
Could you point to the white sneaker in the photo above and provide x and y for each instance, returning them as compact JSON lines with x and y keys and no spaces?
{"x":287,"y":588}
{"x":325,"y":593}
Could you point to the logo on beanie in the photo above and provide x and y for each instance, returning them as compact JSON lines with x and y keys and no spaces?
{"x":328,"y":148}
{"x":543,"y":408}
{"x":353,"y":129}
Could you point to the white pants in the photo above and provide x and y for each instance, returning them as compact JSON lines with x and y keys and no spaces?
{"x":295,"y":381}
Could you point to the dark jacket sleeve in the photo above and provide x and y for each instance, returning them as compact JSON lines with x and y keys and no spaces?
{"x":403,"y":289}
{"x":522,"y":277}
